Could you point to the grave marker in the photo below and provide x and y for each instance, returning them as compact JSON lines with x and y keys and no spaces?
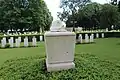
{"x":80,"y":38}
{"x":60,"y":46}
{"x":17,"y":42}
{"x":103,"y":35}
{"x":26,"y":42}
{"x":97,"y":35}
{"x":34,"y":41}
{"x":86,"y":38}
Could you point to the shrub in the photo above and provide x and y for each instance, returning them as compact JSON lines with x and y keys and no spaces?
{"x":88,"y":67}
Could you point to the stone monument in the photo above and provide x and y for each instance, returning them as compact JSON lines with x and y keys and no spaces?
{"x":60,"y":45}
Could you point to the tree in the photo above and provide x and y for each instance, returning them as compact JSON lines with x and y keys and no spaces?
{"x":24,"y":14}
{"x":109,"y":16}
{"x":87,"y":17}
{"x":70,"y":7}
{"x":90,"y":15}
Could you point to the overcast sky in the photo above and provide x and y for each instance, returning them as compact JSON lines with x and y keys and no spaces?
{"x":53,"y":5}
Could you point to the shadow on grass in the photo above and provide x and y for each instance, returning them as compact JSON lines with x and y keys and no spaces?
{"x":118,"y":44}
{"x":20,"y":47}
{"x":85,"y":43}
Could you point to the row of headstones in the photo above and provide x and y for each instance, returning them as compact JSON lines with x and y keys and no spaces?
{"x":87,"y":38}
{"x":20,"y":33}
{"x":18,"y":41}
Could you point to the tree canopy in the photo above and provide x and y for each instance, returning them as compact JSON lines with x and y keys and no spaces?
{"x":24,"y":14}
{"x":94,"y":16}
{"x":70,"y":7}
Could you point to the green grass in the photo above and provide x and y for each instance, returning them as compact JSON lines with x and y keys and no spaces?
{"x":108,"y":48}
{"x":97,"y":61}
{"x":103,"y":48}
{"x":6,"y":54}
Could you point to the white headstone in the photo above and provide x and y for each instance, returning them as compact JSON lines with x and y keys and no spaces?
{"x":26,"y":42}
{"x":41,"y":38}
{"x":86,"y":38}
{"x":17,"y":42}
{"x":103,"y":35}
{"x":80,"y":38}
{"x":60,"y":46}
{"x":11,"y":42}
{"x":19,"y":38}
{"x":92,"y":38}
{"x":3,"y":43}
{"x":34,"y":41}
{"x":97,"y":35}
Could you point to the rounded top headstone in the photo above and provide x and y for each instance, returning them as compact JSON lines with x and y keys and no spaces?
{"x":58,"y":26}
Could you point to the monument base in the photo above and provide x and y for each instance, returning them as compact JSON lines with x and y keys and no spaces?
{"x":59,"y":66}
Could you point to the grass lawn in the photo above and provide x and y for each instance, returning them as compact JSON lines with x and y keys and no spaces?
{"x":103,"y":48}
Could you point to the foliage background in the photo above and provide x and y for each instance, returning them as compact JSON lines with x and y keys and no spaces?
{"x":90,"y":15}
{"x":30,"y":15}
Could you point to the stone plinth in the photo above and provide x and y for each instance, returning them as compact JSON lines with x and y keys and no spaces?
{"x":59,"y":50}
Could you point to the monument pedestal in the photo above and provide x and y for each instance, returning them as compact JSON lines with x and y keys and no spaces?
{"x":59,"y":66}
{"x":59,"y":50}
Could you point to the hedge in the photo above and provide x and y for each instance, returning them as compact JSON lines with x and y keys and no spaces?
{"x":88,"y":67}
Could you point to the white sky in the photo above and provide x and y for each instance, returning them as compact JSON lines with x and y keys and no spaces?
{"x":53,"y":5}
